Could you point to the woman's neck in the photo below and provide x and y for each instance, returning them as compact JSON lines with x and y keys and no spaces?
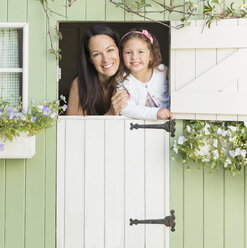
{"x":143,"y":76}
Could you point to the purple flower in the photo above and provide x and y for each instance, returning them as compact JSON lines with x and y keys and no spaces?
{"x":1,"y":147}
{"x":46,"y":110}
{"x":64,"y":107}
{"x":10,"y":110}
{"x":34,"y":118}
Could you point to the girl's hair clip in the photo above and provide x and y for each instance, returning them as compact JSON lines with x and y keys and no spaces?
{"x":143,"y":32}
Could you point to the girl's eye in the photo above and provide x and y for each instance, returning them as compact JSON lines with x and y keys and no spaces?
{"x":127,"y":52}
{"x":141,"y":51}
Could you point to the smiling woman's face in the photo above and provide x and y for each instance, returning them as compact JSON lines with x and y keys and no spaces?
{"x":104,"y":55}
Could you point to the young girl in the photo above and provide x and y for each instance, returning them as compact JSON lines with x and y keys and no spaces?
{"x":144,"y":77}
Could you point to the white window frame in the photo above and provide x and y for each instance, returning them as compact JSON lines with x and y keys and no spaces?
{"x":24,"y":69}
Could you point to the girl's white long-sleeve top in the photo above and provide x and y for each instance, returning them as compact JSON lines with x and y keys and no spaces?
{"x":157,"y":88}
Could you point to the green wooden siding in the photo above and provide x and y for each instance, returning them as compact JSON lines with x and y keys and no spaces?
{"x":210,"y":209}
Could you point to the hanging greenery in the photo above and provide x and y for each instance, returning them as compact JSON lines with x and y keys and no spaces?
{"x":213,"y":145}
{"x":212,"y":10}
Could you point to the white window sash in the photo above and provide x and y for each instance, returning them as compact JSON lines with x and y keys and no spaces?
{"x":24,"y":69}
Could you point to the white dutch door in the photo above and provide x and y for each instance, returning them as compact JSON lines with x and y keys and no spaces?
{"x":107,"y":174}
{"x":208,"y":70}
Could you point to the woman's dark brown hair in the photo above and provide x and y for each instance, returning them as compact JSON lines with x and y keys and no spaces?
{"x":91,"y":95}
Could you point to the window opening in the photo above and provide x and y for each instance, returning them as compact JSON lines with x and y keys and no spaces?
{"x":70,"y":45}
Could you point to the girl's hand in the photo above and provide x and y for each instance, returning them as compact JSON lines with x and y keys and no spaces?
{"x":119,"y":100}
{"x":164,"y":114}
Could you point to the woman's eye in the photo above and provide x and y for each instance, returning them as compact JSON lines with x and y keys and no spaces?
{"x":95,"y":55}
{"x":110,"y":50}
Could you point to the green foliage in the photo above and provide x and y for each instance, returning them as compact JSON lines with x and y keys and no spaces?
{"x":213,"y":145}
{"x":38,"y":117}
{"x":212,"y":9}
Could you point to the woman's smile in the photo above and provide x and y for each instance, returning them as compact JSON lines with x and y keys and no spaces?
{"x":104,"y":55}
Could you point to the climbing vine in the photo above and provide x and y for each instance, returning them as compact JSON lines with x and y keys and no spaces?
{"x":212,"y":10}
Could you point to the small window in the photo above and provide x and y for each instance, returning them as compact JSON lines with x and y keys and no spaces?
{"x":14,"y":62}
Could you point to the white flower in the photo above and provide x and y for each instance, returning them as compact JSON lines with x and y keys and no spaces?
{"x":237,"y":151}
{"x":219,"y":131}
{"x":233,"y":128}
{"x":216,"y":154}
{"x":203,"y":150}
{"x":243,"y":153}
{"x":53,"y":115}
{"x":227,"y":162}
{"x":188,"y":129}
{"x":207,"y":132}
{"x":175,"y":149}
{"x":40,"y":107}
{"x":181,"y":140}
{"x":232,"y":153}
{"x":233,"y":138}
{"x":215,"y":144}
{"x":245,"y":123}
{"x":224,"y":132}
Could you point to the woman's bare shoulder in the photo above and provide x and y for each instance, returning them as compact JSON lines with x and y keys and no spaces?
{"x":74,"y":102}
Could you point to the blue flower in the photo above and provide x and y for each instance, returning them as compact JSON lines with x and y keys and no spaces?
{"x":1,"y":147}
{"x":46,"y":110}
{"x":232,"y":153}
{"x":219,"y":131}
{"x":65,"y":107}
{"x":34,"y":118}
{"x":10,"y":110}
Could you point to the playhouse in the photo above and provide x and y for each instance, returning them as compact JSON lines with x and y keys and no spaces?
{"x":90,"y":175}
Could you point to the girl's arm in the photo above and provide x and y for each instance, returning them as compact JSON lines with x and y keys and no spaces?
{"x":132,"y":110}
{"x":73,"y":103}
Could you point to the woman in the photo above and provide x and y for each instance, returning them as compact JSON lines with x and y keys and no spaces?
{"x":91,"y":92}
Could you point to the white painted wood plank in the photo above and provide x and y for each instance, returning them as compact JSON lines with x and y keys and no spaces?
{"x":205,"y":59}
{"x":134,"y":184}
{"x":60,"y":183}
{"x":155,"y":185}
{"x":230,"y":36}
{"x":94,"y":183}
{"x":221,"y":117}
{"x":114,"y":184}
{"x":74,"y":184}
{"x":221,"y":75}
{"x":184,"y":116}
{"x":185,"y":67}
{"x":172,"y":79}
{"x":209,"y":102}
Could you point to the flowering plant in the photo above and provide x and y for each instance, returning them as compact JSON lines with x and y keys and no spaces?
{"x":213,"y":145}
{"x":34,"y":120}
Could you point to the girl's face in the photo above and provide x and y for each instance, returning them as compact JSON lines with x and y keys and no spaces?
{"x":104,"y":55}
{"x":136,"y":56}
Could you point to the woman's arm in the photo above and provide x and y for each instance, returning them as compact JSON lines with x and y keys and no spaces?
{"x":73,"y":103}
{"x":119,"y":100}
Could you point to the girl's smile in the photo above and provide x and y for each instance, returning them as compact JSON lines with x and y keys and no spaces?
{"x":137,"y":57}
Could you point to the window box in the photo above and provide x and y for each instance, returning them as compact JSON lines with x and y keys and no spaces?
{"x":21,"y":147}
